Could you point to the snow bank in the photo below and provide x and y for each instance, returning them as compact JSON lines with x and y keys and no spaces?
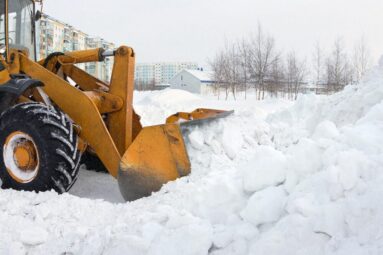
{"x":274,"y":178}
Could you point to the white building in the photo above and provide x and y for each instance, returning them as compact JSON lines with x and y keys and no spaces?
{"x":195,"y":81}
{"x":160,"y":73}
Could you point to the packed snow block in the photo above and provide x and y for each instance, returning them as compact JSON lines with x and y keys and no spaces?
{"x":261,"y":133}
{"x":196,"y":139}
{"x":350,"y":246}
{"x":216,"y":199}
{"x":363,"y":214}
{"x":373,"y":116}
{"x":126,"y":244}
{"x":186,"y":240}
{"x":151,"y":230}
{"x":237,"y":247}
{"x":235,"y":230}
{"x":335,"y":189}
{"x":291,"y":181}
{"x":310,"y":194}
{"x":330,"y":220}
{"x":367,"y":138}
{"x":232,"y":140}
{"x":33,"y":236}
{"x":267,"y":168}
{"x":349,"y":164}
{"x":326,"y":129}
{"x":305,"y":157}
{"x":15,"y":248}
{"x":304,"y":205}
{"x":366,"y":135}
{"x":246,"y":230}
{"x":266,"y":206}
{"x":292,"y":235}
{"x":222,"y":236}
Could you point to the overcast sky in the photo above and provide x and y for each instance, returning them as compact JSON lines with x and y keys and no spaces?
{"x":193,"y":30}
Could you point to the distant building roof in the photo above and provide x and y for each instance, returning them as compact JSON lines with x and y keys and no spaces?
{"x":203,"y":76}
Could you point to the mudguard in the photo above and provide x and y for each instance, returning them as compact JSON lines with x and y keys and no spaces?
{"x":14,"y":88}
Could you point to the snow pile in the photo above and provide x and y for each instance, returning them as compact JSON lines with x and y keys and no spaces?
{"x":274,"y":178}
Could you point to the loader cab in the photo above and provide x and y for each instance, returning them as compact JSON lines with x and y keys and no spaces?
{"x":17,"y":27}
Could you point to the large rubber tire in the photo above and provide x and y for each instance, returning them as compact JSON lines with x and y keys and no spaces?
{"x":55,"y":141}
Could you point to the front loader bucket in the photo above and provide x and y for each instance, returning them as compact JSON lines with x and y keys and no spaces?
{"x":158,"y":154}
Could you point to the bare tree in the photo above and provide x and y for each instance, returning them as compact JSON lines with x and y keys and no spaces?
{"x":328,"y":74}
{"x":217,"y":66}
{"x":337,"y":67}
{"x":226,"y":67}
{"x":318,"y":63}
{"x":263,"y":54}
{"x":295,"y":75}
{"x":361,"y":59}
{"x":276,"y":83}
{"x":338,"y":63}
{"x":233,"y":69}
{"x":256,"y":62}
{"x":245,"y":58}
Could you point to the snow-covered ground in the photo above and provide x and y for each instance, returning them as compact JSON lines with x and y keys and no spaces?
{"x":277,"y":177}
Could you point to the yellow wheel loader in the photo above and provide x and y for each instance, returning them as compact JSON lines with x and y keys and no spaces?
{"x":52,"y":112}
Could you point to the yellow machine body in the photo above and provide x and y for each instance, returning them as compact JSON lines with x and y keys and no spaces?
{"x":143,"y":159}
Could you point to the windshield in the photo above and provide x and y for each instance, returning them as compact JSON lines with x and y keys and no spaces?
{"x":20,"y":25}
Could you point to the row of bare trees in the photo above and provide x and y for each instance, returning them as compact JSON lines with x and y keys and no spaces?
{"x":256,"y":63}
{"x":143,"y":85}
{"x":339,"y":68}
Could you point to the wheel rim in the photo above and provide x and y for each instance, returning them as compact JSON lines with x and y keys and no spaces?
{"x":20,"y":157}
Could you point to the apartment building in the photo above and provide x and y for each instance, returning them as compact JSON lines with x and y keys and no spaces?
{"x":160,"y":73}
{"x":51,"y":37}
{"x":58,"y":36}
{"x":100,"y":69}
